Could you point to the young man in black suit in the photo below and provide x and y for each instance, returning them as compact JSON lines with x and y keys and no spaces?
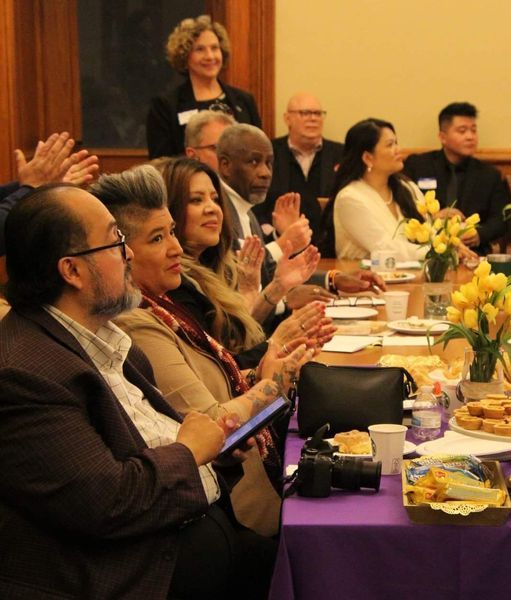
{"x":460,"y":180}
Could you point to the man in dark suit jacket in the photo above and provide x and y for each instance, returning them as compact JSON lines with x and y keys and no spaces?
{"x":458,"y":177}
{"x":105,"y":493}
{"x":245,"y":163}
{"x":304,"y":162}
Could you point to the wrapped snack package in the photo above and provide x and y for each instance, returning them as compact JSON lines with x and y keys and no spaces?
{"x":451,"y":478}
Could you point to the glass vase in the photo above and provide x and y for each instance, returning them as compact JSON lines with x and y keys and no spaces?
{"x":481,"y":375}
{"x":437,"y":265}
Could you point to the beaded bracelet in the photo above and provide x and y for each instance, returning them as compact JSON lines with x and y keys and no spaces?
{"x":331,"y":275}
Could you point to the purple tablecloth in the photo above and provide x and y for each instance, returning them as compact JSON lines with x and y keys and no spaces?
{"x":362,"y":546}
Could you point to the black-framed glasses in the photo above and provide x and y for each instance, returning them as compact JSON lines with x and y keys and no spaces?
{"x":121,"y":244}
{"x":309,"y":113}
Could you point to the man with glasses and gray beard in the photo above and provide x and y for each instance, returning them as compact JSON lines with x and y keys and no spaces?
{"x":105,"y":491}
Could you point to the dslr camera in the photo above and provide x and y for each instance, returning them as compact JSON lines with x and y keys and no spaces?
{"x":319,"y":470}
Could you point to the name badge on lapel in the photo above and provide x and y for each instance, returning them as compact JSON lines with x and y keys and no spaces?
{"x":427,"y":183}
{"x":186,"y":115}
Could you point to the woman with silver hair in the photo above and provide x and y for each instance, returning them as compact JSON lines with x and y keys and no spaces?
{"x":199,"y":49}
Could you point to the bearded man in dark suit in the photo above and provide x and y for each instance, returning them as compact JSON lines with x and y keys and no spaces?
{"x":461,"y":181}
{"x":106,"y":492}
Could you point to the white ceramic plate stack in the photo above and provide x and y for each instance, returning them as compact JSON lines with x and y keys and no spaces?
{"x":454,"y":442}
{"x":350,"y":312}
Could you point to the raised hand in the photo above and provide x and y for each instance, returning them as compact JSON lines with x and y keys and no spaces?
{"x":298,"y":234}
{"x":82,"y":168}
{"x":286,"y":211}
{"x":48,"y":163}
{"x":250,"y":259}
{"x":284,"y":370}
{"x":291,"y":272}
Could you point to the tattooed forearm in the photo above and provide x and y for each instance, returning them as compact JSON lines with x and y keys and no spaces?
{"x":261,"y":395}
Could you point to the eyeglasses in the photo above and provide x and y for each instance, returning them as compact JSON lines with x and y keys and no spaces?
{"x":121,"y":243}
{"x":309,"y":113}
{"x":219,"y":106}
{"x":206,"y":147}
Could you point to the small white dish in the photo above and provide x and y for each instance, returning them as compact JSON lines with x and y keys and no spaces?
{"x":409,"y":448}
{"x":396,"y":277}
{"x":350,"y":312}
{"x":419,"y":326}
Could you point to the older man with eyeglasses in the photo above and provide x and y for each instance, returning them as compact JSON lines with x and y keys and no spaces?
{"x":305,"y":162}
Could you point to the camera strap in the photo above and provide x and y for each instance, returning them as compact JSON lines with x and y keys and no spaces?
{"x":294,"y":482}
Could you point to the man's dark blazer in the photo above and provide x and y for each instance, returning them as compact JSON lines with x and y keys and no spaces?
{"x":10,"y":193}
{"x":325,"y":162}
{"x":87,"y":510}
{"x":484,"y":190}
{"x":165,"y":136}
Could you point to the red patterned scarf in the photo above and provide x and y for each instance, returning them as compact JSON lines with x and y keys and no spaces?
{"x":186,"y":327}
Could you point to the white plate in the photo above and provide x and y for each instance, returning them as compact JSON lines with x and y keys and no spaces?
{"x":350,"y":312}
{"x":459,"y":443}
{"x":478,"y":433}
{"x":409,"y":448}
{"x":419,"y":326}
{"x":397,"y":277}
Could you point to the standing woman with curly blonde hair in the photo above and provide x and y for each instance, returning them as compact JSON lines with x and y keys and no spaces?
{"x":198,"y":49}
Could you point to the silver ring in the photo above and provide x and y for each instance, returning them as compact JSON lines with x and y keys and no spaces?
{"x":302,"y":326}
{"x":315,"y":291}
{"x":285,"y":349}
{"x":245,"y":260}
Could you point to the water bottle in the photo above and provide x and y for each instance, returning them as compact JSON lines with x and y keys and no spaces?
{"x":426,"y":415}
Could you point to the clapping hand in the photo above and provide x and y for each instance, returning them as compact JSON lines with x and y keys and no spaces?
{"x":286,"y":211}
{"x":250,"y":259}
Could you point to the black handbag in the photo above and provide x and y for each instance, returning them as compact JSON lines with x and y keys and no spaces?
{"x":350,"y":397}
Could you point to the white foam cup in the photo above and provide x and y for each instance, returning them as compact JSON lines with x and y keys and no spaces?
{"x":396,"y":305}
{"x":387,"y":444}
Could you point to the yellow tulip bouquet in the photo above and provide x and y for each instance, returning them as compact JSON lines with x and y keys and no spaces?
{"x":475,"y":307}
{"x":442,"y":235}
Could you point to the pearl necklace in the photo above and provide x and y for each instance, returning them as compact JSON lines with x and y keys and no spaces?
{"x":390,"y":200}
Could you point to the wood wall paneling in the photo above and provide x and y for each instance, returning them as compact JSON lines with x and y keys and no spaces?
{"x":7,"y":71}
{"x":251,"y":28}
{"x":60,"y":73}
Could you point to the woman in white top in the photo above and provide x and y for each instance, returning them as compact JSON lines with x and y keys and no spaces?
{"x":371,"y":197}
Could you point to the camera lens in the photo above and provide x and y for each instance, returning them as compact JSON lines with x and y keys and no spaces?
{"x":355,"y":473}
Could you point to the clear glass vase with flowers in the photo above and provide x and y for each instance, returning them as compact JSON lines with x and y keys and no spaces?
{"x":474,"y":316}
{"x":440,"y":234}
